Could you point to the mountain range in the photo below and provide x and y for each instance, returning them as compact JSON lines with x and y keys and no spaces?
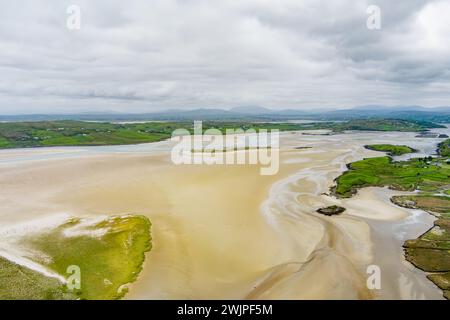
{"x":254,"y":113}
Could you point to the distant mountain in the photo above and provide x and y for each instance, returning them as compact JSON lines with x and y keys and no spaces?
{"x":251,"y":110}
{"x":255,"y":113}
{"x":389,"y":108}
{"x":441,"y":109}
{"x":441,"y":114}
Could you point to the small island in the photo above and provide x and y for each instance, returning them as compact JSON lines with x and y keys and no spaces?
{"x":331,"y":210}
{"x":390,"y":149}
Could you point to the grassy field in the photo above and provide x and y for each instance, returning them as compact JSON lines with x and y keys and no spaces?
{"x":431,"y":176}
{"x":431,"y":253}
{"x":390,"y":149}
{"x":419,"y":173}
{"x":20,"y":283}
{"x":78,"y":133}
{"x":439,"y":205}
{"x":109,"y":253}
{"x":424,"y":174}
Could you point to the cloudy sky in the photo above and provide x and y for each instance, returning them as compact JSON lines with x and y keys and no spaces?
{"x":148,"y":55}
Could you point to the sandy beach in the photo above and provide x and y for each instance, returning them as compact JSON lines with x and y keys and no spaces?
{"x":227,"y":232}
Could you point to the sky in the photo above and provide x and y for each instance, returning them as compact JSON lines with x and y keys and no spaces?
{"x":152,"y":55}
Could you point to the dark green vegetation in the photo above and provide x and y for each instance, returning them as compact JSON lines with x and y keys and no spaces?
{"x":331,"y":210}
{"x":78,"y":133}
{"x":431,"y":176}
{"x":444,"y":148}
{"x":431,"y":253}
{"x":391,"y":150}
{"x":109,"y":253}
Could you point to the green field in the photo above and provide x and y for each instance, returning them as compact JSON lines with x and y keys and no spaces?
{"x":78,"y":133}
{"x":109,"y":254}
{"x":390,"y":149}
{"x":419,"y":173}
{"x":431,"y":253}
{"x":424,"y":174}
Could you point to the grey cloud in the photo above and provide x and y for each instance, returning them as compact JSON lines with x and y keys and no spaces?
{"x":149,"y":55}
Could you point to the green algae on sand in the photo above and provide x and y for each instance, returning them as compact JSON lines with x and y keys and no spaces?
{"x":109,"y":252}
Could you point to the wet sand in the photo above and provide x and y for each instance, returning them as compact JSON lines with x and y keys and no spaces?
{"x":226,"y":231}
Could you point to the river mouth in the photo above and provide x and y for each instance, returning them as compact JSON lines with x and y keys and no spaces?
{"x":226,"y":232}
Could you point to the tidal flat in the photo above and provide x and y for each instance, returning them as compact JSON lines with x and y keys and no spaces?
{"x":226,"y":231}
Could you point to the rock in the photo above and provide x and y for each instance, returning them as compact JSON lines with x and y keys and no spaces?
{"x":331,"y":210}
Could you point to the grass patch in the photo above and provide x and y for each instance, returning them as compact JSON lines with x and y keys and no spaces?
{"x":4,"y":143}
{"x":429,"y":260}
{"x":442,"y":280}
{"x":20,"y":283}
{"x":391,"y":150}
{"x":437,"y":205}
{"x":408,"y":175}
{"x":109,"y":253}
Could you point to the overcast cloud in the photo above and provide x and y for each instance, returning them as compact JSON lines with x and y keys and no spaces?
{"x":143,"y":56}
